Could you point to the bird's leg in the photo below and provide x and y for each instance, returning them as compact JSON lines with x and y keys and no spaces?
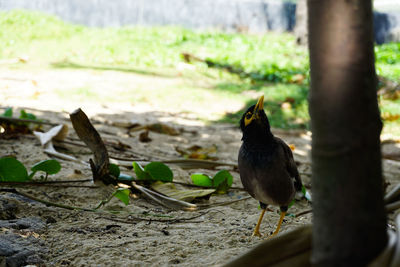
{"x":257,"y":229}
{"x":283,"y":213}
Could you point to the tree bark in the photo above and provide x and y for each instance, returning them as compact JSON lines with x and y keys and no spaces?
{"x":349,"y":218}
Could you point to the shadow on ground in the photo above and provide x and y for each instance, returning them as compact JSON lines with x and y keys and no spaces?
{"x":72,"y":65}
{"x":285,"y":97}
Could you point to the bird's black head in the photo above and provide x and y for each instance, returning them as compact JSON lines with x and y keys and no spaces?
{"x":254,"y":123}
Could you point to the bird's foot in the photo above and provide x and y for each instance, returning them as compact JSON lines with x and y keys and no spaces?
{"x":272,"y":235}
{"x":256,"y":233}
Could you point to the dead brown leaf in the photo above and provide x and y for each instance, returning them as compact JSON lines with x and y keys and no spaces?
{"x":198,"y":152}
{"x":386,"y":116}
{"x":162,"y":129}
{"x":298,"y":78}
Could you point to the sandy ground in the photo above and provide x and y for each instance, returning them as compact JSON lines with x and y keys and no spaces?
{"x":142,"y":233}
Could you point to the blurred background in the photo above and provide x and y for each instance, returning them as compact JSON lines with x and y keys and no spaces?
{"x":207,"y":59}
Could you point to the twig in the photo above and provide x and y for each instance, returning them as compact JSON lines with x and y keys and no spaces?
{"x":138,"y":128}
{"x":301,"y":213}
{"x":140,"y":188}
{"x":206,"y":206}
{"x":183,"y":163}
{"x":11,"y":119}
{"x":42,"y":184}
{"x":158,"y":220}
{"x":157,"y":196}
{"x":391,"y":156}
{"x":130,"y":159}
{"x":393,"y":194}
{"x":208,"y":187}
{"x":72,"y":143}
{"x":388,"y":207}
{"x":51,"y":182}
{"x":392,"y":206}
{"x":47,"y":203}
{"x":125,"y":158}
{"x":107,"y":144}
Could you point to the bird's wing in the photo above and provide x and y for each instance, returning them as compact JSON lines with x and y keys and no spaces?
{"x":290,"y":164}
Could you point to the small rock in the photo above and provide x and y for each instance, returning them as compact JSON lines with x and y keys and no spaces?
{"x":50,"y":219}
{"x":108,"y":227}
{"x":144,"y":137}
{"x":8,"y":209}
{"x":165,"y":232}
{"x":31,"y":223}
{"x":20,"y":251}
{"x":175,"y":261}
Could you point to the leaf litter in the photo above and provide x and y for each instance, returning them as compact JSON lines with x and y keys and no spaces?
{"x":194,"y":238}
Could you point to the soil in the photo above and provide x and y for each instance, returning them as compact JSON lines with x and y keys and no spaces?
{"x":143,"y":233}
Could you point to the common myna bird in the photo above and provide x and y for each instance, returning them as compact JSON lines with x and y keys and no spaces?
{"x":266,"y":165}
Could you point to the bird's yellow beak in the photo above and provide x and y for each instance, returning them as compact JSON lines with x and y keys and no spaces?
{"x":259,"y":106}
{"x":254,"y":115}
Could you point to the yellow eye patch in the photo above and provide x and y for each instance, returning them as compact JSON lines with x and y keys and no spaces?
{"x":248,"y":118}
{"x":251,"y":115}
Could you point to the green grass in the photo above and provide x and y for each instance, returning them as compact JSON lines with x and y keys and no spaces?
{"x":51,"y":39}
{"x":269,"y":63}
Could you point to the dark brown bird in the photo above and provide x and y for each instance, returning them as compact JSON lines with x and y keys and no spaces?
{"x":266,"y":165}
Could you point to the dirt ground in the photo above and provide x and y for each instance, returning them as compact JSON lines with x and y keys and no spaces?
{"x":143,"y":233}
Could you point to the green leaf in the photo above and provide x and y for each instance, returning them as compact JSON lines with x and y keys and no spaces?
{"x":12,"y":170}
{"x":125,"y":177}
{"x":8,"y":112}
{"x":123,"y":195}
{"x":222,"y":181}
{"x":223,"y":187}
{"x":26,"y":115}
{"x":140,"y":173}
{"x":303,"y":190}
{"x":50,"y":166}
{"x":292,"y":202}
{"x":159,"y":171}
{"x":114,"y":170}
{"x":201,"y":179}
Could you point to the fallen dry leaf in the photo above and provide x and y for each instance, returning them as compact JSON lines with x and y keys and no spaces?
{"x":162,"y":128}
{"x":298,"y":78}
{"x":198,"y":152}
{"x":386,"y":116}
{"x":125,"y":124}
{"x":289,"y":99}
{"x":169,"y":189}
{"x":156,"y":127}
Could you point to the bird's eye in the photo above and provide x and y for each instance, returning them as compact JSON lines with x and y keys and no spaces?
{"x":248,"y":115}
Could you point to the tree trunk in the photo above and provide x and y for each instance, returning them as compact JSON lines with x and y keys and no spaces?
{"x":349,"y":219}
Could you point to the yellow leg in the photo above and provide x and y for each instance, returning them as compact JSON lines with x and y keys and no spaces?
{"x":257,"y":229}
{"x":279,"y":223}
